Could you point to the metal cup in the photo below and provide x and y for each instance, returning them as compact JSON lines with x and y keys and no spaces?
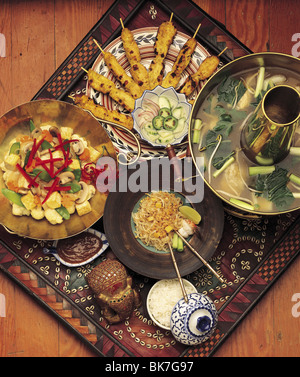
{"x":267,"y":136}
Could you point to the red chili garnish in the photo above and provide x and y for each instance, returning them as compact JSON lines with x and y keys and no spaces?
{"x":26,"y":176}
{"x":32,"y":153}
{"x":34,"y":180}
{"x":65,"y":165}
{"x":51,"y":189}
{"x":55,"y":187}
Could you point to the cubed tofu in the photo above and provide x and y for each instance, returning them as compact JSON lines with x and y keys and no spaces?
{"x":58,"y":154}
{"x":84,"y":208}
{"x":22,"y":182}
{"x":19,"y":211}
{"x":54,"y":200}
{"x":53,"y":216}
{"x":28,"y":201}
{"x":94,"y":155}
{"x":75,"y":164}
{"x":66,"y":133}
{"x":71,"y":209}
{"x":38,"y":213}
{"x":11,"y":161}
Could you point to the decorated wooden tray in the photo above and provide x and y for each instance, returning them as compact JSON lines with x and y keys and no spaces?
{"x":252,"y":253}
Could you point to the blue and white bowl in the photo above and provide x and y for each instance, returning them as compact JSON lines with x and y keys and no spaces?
{"x":195,"y":321}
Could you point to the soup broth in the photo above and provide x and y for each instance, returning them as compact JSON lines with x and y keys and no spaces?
{"x":263,"y":187}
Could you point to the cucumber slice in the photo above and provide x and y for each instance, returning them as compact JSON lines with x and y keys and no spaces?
{"x":164,"y":133}
{"x":178,"y":112}
{"x":180,"y":125}
{"x":165,"y":140}
{"x":164,"y":102}
{"x":150,"y":129}
{"x":180,"y":245}
{"x":175,"y":241}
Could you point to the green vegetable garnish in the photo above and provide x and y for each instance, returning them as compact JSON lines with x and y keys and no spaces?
{"x":13,"y":196}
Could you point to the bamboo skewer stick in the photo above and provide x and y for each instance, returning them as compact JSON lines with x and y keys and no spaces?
{"x":97,"y":44}
{"x":222,"y":51}
{"x":121,"y":21}
{"x":196,"y":31}
{"x":200,"y":257}
{"x":171,"y":17}
{"x":178,"y":274}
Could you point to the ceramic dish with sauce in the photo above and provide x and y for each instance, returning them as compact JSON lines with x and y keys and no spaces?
{"x":79,"y":250}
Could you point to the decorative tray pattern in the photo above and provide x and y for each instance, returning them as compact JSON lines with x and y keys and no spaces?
{"x":252,"y":254}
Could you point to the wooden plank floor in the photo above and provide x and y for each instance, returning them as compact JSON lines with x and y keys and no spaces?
{"x":39,"y":36}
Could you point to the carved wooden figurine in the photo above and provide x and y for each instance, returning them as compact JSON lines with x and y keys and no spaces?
{"x":113,"y":290}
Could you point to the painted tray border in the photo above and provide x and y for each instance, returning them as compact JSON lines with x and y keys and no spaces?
{"x":69,"y":75}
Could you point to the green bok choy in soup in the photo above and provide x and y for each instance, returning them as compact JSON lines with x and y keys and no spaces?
{"x":263,"y":185}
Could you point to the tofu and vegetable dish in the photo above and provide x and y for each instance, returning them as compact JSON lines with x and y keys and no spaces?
{"x":45,"y":173}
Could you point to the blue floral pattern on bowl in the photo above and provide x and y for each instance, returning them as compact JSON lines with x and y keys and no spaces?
{"x":142,"y":109}
{"x":195,"y":321}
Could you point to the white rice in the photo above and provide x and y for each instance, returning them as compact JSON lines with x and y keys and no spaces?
{"x":163,"y":296}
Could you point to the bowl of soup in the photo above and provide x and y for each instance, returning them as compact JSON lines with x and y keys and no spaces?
{"x":229,"y":110}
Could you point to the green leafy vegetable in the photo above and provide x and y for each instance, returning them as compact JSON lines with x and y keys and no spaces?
{"x":218,"y":162}
{"x":43,"y":174}
{"x":231,"y":90}
{"x":274,"y":187}
{"x":64,"y":213}
{"x":13,"y":196}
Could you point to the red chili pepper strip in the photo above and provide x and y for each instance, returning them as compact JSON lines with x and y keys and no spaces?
{"x":48,"y":161}
{"x":32,"y":153}
{"x":63,"y":143}
{"x":55,"y":187}
{"x":51,"y":163}
{"x":59,"y":188}
{"x":65,"y":165}
{"x":34,"y":179}
{"x":26,"y":176}
{"x":51,"y":189}
{"x":40,"y":162}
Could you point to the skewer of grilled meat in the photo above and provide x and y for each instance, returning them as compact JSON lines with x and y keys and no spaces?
{"x":165,"y":35}
{"x":118,"y":71}
{"x":101,"y":112}
{"x":182,"y":61}
{"x":205,"y":70}
{"x":104,"y":85}
{"x":138,"y":72}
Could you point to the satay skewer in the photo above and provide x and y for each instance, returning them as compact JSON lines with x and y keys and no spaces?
{"x":205,"y":70}
{"x":101,"y":112}
{"x":164,"y":38}
{"x":118,"y":71}
{"x":138,"y":72}
{"x":181,"y":63}
{"x":104,"y":85}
